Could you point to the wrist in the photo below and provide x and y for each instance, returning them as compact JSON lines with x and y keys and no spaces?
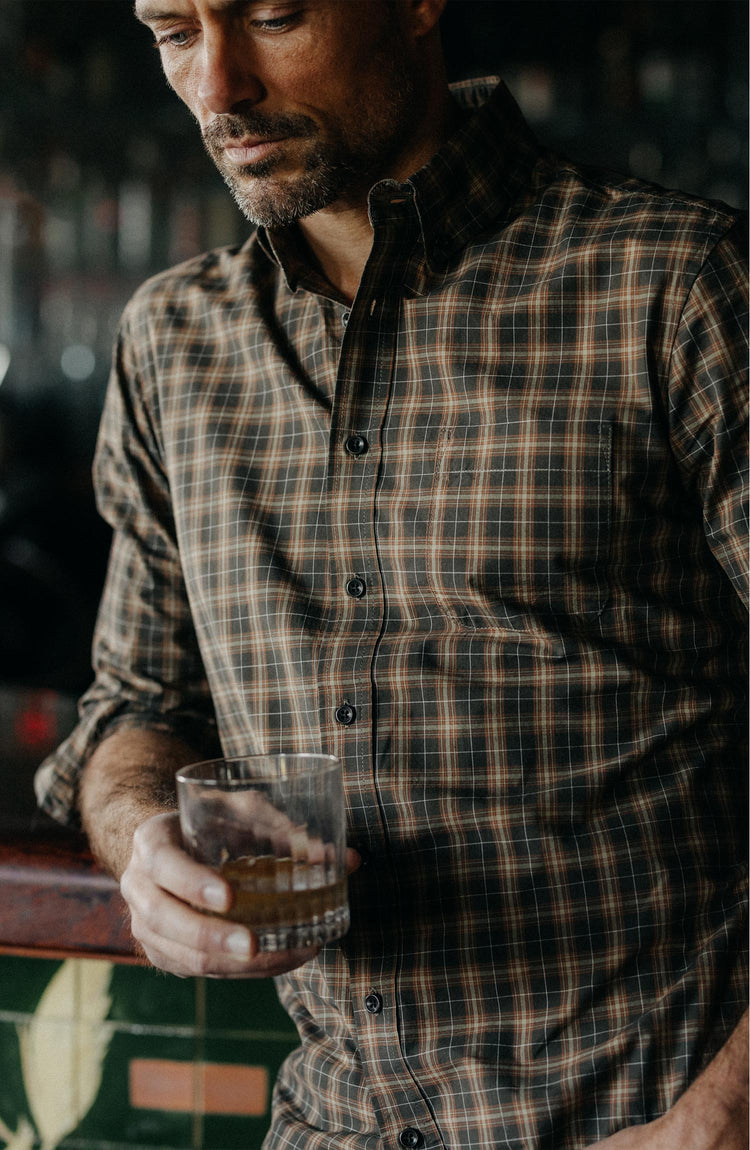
{"x":128,"y":779}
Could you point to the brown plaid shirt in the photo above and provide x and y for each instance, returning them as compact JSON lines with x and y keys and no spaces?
{"x":477,"y":536}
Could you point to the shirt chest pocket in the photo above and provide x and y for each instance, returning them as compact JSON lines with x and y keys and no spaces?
{"x":518,"y":529}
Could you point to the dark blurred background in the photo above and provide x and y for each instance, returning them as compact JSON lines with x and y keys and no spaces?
{"x":103,"y":181}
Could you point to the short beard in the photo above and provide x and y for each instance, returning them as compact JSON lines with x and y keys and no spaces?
{"x":328,"y":172}
{"x":336,"y":167}
{"x":274,"y":205}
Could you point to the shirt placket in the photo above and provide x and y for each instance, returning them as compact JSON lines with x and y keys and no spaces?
{"x":347,"y":698}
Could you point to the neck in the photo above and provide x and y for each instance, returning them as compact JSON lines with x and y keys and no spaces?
{"x":340,"y":236}
{"x":340,"y":242}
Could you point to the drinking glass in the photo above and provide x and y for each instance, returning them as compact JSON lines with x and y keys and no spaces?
{"x":274,"y":827}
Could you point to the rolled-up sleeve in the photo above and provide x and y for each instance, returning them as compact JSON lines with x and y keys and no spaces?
{"x":147,"y":665}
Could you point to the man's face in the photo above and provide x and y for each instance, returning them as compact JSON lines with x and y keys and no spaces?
{"x":301,"y":103}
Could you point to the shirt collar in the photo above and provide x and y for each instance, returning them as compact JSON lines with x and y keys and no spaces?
{"x":475,"y":179}
{"x":471,"y":183}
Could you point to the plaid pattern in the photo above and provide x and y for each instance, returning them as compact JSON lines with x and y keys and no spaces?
{"x":544,"y":370}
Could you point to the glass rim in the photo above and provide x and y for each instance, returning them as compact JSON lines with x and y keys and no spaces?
{"x":278,"y":765}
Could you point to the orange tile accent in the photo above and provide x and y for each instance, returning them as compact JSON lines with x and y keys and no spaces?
{"x":224,"y":1087}
{"x":232,"y":1089}
{"x":158,"y":1084}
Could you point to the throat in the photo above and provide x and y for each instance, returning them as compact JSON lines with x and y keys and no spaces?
{"x":338,"y":244}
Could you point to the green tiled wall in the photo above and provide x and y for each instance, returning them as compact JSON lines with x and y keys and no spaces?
{"x":81,"y":1023}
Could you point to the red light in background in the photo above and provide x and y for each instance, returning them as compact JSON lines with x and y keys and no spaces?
{"x":35,"y":723}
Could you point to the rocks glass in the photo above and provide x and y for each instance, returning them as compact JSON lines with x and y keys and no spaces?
{"x":273,"y":826}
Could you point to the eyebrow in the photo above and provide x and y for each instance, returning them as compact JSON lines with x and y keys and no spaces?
{"x":148,"y":15}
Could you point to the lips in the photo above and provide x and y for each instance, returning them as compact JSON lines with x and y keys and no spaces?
{"x":249,"y":151}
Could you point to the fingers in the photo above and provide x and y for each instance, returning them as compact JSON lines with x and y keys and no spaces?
{"x":268,"y":965}
{"x":181,"y":960}
{"x":163,"y":886}
{"x":158,"y":857}
{"x":179,"y":939}
{"x":159,"y":919}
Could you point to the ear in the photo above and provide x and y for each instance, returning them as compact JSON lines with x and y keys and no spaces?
{"x":423,"y":15}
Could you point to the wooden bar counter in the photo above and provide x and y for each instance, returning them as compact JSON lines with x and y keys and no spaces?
{"x":55,"y":902}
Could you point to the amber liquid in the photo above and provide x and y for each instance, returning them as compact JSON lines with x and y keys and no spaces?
{"x":271,"y":892}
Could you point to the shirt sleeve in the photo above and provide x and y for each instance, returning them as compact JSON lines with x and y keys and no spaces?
{"x":147,"y":665}
{"x":708,"y":391}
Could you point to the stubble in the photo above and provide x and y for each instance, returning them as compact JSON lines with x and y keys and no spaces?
{"x":341,"y":155}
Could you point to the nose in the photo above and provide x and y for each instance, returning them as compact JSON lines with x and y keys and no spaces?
{"x":227,"y":76}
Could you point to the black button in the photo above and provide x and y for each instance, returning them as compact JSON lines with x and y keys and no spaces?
{"x":356,"y":587}
{"x":373,"y":1003}
{"x":345,"y":318}
{"x":345,"y":714}
{"x":411,"y":1138}
{"x":356,"y":445}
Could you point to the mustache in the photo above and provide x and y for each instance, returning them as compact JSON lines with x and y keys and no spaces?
{"x":260,"y":125}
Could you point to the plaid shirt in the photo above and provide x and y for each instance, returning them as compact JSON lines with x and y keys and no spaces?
{"x":477,"y":535}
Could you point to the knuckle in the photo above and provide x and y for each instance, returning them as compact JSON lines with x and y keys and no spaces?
{"x":153,"y":956}
{"x":151,"y":835}
{"x":167,"y":869}
{"x":157,"y":857}
{"x":204,"y":964}
{"x":138,"y":931}
{"x":140,"y":923}
{"x":141,"y":836}
{"x":128,"y":886}
{"x":141,"y":906}
{"x":166,"y":962}
{"x":208,"y":940}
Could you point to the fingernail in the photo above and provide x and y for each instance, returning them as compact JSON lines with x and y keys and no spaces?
{"x":215,"y":895}
{"x":239,"y":943}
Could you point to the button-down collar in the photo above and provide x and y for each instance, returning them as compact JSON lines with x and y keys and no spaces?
{"x":471,"y":183}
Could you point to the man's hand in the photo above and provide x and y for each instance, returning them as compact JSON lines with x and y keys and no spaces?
{"x":712,"y":1114}
{"x":174,"y":901}
{"x":649,"y":1137}
{"x":167,"y":891}
{"x":653,"y":1136}
{"x":665,"y":1135}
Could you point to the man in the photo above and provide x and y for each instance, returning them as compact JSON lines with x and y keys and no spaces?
{"x":438,"y":473}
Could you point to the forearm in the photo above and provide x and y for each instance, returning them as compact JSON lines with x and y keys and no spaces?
{"x":713,"y":1112}
{"x":129,"y":778}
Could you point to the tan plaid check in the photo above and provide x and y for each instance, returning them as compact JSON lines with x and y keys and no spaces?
{"x":479,"y":538}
